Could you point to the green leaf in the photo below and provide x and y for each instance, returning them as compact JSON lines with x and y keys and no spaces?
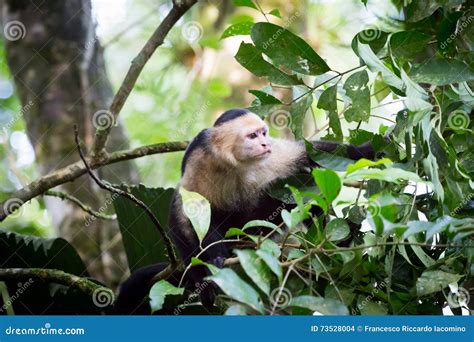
{"x":261,"y":223}
{"x":264,"y":98}
{"x":236,"y":288}
{"x":271,"y":247}
{"x":441,"y":72}
{"x":416,"y":96}
{"x":143,"y":244}
{"x":372,"y":36}
{"x":271,"y":260}
{"x":372,"y":309}
{"x":298,"y":111}
{"x":320,"y":305}
{"x":435,"y":281}
{"x":361,"y":163}
{"x":376,"y":65}
{"x":275,"y":12}
{"x":22,"y":251}
{"x":236,"y":310}
{"x":239,"y":29}
{"x":393,"y":175}
{"x":251,"y":59}
{"x":286,"y":49}
{"x":158,"y":293}
{"x":255,"y":268}
{"x":328,"y":182}
{"x":198,"y":210}
{"x":337,"y":230}
{"x":328,"y":101}
{"x":358,"y":91}
{"x":235,"y":232}
{"x":245,"y":3}
{"x":407,"y":44}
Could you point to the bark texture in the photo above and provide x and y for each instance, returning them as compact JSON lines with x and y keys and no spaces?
{"x":59,"y":73}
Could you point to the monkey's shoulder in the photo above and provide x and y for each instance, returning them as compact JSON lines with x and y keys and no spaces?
{"x":200,"y":142}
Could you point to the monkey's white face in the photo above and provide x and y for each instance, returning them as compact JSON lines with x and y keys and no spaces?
{"x":252,"y":141}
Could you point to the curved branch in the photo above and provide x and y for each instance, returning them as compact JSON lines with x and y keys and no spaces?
{"x":50,"y":275}
{"x":110,"y":188}
{"x":77,"y":169}
{"x":76,"y":201}
{"x":136,"y":67}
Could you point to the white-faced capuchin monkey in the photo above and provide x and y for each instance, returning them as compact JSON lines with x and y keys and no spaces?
{"x":232,"y":165}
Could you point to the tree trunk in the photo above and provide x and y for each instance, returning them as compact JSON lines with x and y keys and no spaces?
{"x":58,"y":67}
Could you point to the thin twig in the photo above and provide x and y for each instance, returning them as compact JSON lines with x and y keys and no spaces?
{"x":75,"y":200}
{"x":102,"y":184}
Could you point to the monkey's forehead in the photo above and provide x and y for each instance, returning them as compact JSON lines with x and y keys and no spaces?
{"x":248,"y":121}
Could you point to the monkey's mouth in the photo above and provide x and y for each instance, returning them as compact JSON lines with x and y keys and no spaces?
{"x":264,"y":154}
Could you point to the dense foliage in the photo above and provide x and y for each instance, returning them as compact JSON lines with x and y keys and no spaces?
{"x":414,"y":255}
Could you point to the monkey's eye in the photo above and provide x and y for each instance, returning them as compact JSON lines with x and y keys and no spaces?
{"x":264,"y":133}
{"x":252,"y":135}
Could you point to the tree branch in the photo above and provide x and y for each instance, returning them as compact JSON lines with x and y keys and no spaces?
{"x":50,"y":275}
{"x":76,"y":201}
{"x":106,"y":186}
{"x":77,"y":169}
{"x":138,"y":63}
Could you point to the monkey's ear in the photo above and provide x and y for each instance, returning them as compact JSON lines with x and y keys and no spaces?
{"x":222,"y":146}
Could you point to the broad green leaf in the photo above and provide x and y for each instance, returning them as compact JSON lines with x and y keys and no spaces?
{"x":239,"y":29}
{"x":435,"y":281}
{"x":361,"y":163}
{"x":286,"y":49}
{"x":419,"y":10}
{"x":271,"y":247}
{"x":368,"y":308}
{"x":393,"y":175}
{"x":272,"y":262}
{"x":245,"y":3}
{"x":328,"y":182}
{"x":251,"y":59}
{"x":158,"y":293}
{"x":320,"y":305}
{"x":408,"y":44}
{"x":22,"y":251}
{"x":328,"y":101}
{"x":235,"y":232}
{"x":143,"y":244}
{"x":298,"y":111}
{"x":198,"y":210}
{"x":371,"y":35}
{"x":236,"y":288}
{"x":358,"y":91}
{"x":347,"y":294}
{"x":260,"y":223}
{"x":417,"y":97}
{"x":441,"y":72}
{"x":337,"y":230}
{"x":420,"y":253}
{"x":255,"y":268}
{"x":376,"y":65}
{"x":236,"y":310}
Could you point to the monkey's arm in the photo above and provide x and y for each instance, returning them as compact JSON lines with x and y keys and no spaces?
{"x":354,"y":152}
